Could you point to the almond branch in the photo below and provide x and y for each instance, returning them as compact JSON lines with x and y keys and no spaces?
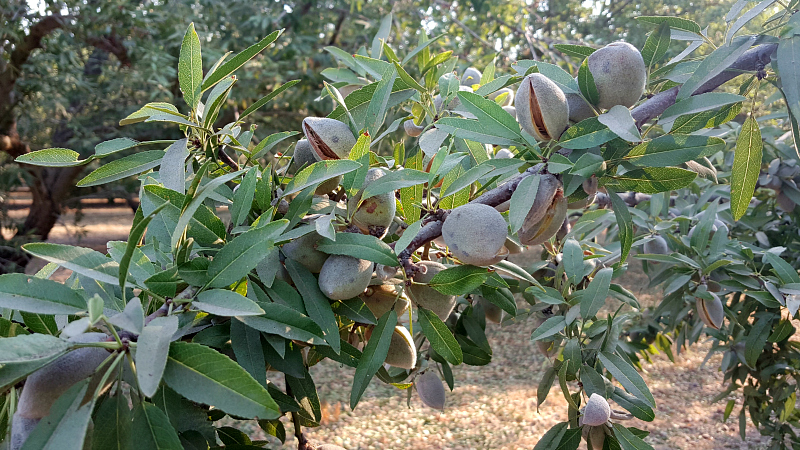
{"x":753,"y":60}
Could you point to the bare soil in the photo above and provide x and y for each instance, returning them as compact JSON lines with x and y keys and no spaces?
{"x":491,"y":407}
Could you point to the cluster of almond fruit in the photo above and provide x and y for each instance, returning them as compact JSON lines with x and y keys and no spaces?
{"x":474,"y":233}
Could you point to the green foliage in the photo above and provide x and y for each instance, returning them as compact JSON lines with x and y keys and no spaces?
{"x":225,"y":302}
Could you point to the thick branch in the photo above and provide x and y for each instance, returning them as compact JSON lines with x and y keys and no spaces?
{"x":433,"y":228}
{"x":111,"y":44}
{"x":33,"y":40}
{"x":752,"y":60}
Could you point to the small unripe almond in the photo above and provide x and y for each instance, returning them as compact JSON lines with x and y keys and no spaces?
{"x":304,"y":250}
{"x":402,"y":351}
{"x":619,"y":73}
{"x":380,"y":299}
{"x":548,"y":226}
{"x":785,"y":203}
{"x":46,"y":385}
{"x":330,"y":138}
{"x":344,"y":277}
{"x":657,"y":246}
{"x":549,"y":185}
{"x":430,"y":389}
{"x":711,"y":312}
{"x":492,"y":312}
{"x":304,"y":155}
{"x":506,"y":94}
{"x":504,"y":153}
{"x":597,"y":411}
{"x":596,"y":437}
{"x":579,"y":109}
{"x":511,"y":110}
{"x":475,"y":234}
{"x":412,"y":129}
{"x":427,"y":297}
{"x":542,"y":108}
{"x":471,"y":76}
{"x":375,"y":213}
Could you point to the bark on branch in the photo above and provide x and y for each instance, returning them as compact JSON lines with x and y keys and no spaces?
{"x":752,"y":60}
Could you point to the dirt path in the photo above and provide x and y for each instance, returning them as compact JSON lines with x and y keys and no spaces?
{"x":492,"y":407}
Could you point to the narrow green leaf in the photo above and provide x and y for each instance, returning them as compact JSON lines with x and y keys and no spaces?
{"x":551,"y":326}
{"x":713,"y":64}
{"x":317,"y":304}
{"x":747,"y":17}
{"x":746,"y":167}
{"x":84,"y":261}
{"x":553,"y":437}
{"x":118,"y":144}
{"x":458,"y":280}
{"x":114,"y":418}
{"x":223,"y":302}
{"x":656,"y":45}
{"x":376,"y":111}
{"x":756,"y":338}
{"x":286,"y":322}
{"x":122,"y":168}
{"x":247,"y":347}
{"x":440,"y":337}
{"x":594,"y":297}
{"x":474,"y":130}
{"x":782,"y":269}
{"x":395,"y":180}
{"x":241,"y":255}
{"x":699,"y":103}
{"x":618,"y":119}
{"x":545,"y":384}
{"x":152,"y":348}
{"x":627,"y":376}
{"x":66,"y":424}
{"x":53,"y":157}
{"x":788,"y":62}
{"x":628,"y":440}
{"x":373,"y":356}
{"x":149,"y":110}
{"x":491,"y":114}
{"x":674,"y":22}
{"x":586,"y":134}
{"x":270,"y":142}
{"x":651,"y":180}
{"x":361,"y":246}
{"x":190,"y":67}
{"x":633,"y":405}
{"x":578,"y":51}
{"x":573,"y":260}
{"x":586,"y":83}
{"x":151,"y":430}
{"x":36,"y":295}
{"x":674,"y":149}
{"x":624,"y":223}
{"x":133,"y":242}
{"x":243,"y":197}
{"x":319,"y":172}
{"x":239,"y":60}
{"x":205,"y":376}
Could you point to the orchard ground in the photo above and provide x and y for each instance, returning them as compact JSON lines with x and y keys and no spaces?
{"x":493,"y":406}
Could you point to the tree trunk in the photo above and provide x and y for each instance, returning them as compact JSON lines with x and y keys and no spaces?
{"x":51,"y":187}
